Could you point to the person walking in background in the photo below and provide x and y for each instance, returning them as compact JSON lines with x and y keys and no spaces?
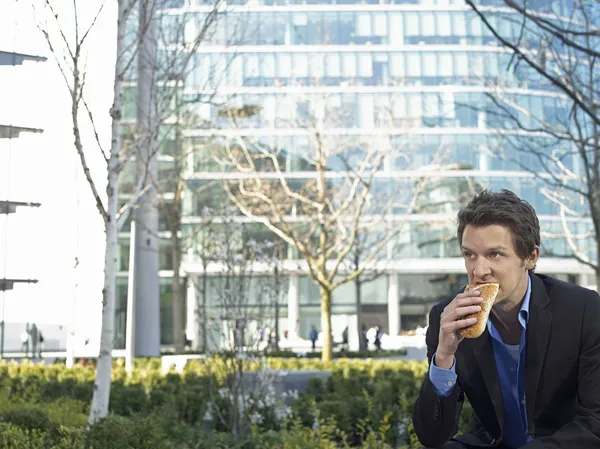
{"x":378,"y":338}
{"x":345,"y":346}
{"x":34,"y":337}
{"x":25,"y":342}
{"x":313,"y":337}
{"x":40,"y":343}
{"x":364,"y":337}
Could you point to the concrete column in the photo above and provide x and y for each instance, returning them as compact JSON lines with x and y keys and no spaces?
{"x":393,"y":305}
{"x":293,"y":307}
{"x":192,"y":326}
{"x":147,"y":282}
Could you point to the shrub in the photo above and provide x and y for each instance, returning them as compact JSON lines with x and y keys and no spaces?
{"x":14,"y":437}
{"x":368,"y":402}
{"x":115,"y":432}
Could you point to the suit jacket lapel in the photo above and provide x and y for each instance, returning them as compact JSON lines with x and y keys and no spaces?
{"x":484,"y":355}
{"x":538,"y":334}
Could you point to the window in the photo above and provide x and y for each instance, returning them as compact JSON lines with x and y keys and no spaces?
{"x":218,"y":69}
{"x":365,"y":65}
{"x":300,"y":65}
{"x":380,"y":24}
{"x":365,"y":111}
{"x":346,"y":28}
{"x":477,"y":68}
{"x":268,"y":65}
{"x":475,"y":26}
{"x":396,"y":29}
{"x":269,"y":109}
{"x":399,"y":106}
{"x":330,"y":29}
{"x":413,"y":64}
{"x":349,"y":64}
{"x":236,"y":73}
{"x":317,"y":63}
{"x":427,"y":24}
{"x":429,"y":64}
{"x":445,"y":66}
{"x":314,"y":28}
{"x":416,"y":108}
{"x":459,"y":24}
{"x":332,"y":65}
{"x":277,"y":30}
{"x":300,"y":29}
{"x":443,"y":24}
{"x":397,"y":65}
{"x":491,"y":65}
{"x":411,"y":24}
{"x":202,"y":71}
{"x":284,"y":65}
{"x":251,"y":66}
{"x":363,"y":24}
{"x":431,"y":108}
{"x":461,"y":65}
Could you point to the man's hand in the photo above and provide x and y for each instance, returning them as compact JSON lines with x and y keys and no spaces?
{"x":450,"y":323}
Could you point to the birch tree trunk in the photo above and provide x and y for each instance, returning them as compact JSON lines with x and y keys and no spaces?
{"x":100,"y":400}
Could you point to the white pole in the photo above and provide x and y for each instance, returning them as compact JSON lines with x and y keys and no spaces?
{"x":130,"y":326}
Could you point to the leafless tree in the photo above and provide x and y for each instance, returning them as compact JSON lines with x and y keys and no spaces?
{"x":558,"y":138}
{"x":68,"y":44}
{"x":320,"y":212}
{"x":242,"y":285}
{"x":70,"y":50}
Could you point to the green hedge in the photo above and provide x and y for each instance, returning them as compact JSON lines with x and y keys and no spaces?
{"x":364,"y":403}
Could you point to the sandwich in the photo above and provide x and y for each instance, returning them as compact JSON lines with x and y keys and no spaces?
{"x":488,"y":293}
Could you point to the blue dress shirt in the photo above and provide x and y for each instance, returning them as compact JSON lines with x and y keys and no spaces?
{"x":510,"y":362}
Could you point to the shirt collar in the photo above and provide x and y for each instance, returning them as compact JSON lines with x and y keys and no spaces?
{"x":524,"y":312}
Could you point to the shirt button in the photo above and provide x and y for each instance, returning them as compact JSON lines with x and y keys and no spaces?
{"x":512,"y":368}
{"x":522,"y":401}
{"x":449,"y":383}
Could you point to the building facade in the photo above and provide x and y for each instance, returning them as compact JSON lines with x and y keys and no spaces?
{"x":10,"y":131}
{"x":416,"y":72}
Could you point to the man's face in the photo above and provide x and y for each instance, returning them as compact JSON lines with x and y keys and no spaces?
{"x":490,"y":256}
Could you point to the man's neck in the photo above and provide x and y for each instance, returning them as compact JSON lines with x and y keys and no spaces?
{"x":507,"y":311}
{"x":507,"y":320}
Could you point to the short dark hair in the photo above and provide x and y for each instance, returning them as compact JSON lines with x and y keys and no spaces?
{"x":506,"y":209}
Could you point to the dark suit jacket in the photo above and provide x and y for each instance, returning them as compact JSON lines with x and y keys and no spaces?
{"x":562,"y":375}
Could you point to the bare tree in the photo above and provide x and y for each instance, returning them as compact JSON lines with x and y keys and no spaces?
{"x":558,"y":138}
{"x":321,"y":212}
{"x":243,"y":285}
{"x":177,"y":116}
{"x":70,"y":53}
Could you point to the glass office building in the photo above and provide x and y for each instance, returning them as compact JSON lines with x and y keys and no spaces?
{"x":427,"y":67}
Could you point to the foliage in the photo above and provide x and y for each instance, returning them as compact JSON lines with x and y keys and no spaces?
{"x":363,"y":403}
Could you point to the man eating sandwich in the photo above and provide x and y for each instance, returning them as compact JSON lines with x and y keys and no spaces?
{"x":523,"y":348}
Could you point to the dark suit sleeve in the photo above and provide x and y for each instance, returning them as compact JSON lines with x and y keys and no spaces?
{"x":584,"y":430}
{"x":435,"y":419}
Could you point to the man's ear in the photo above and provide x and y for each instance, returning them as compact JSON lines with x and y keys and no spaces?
{"x":531,"y":261}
